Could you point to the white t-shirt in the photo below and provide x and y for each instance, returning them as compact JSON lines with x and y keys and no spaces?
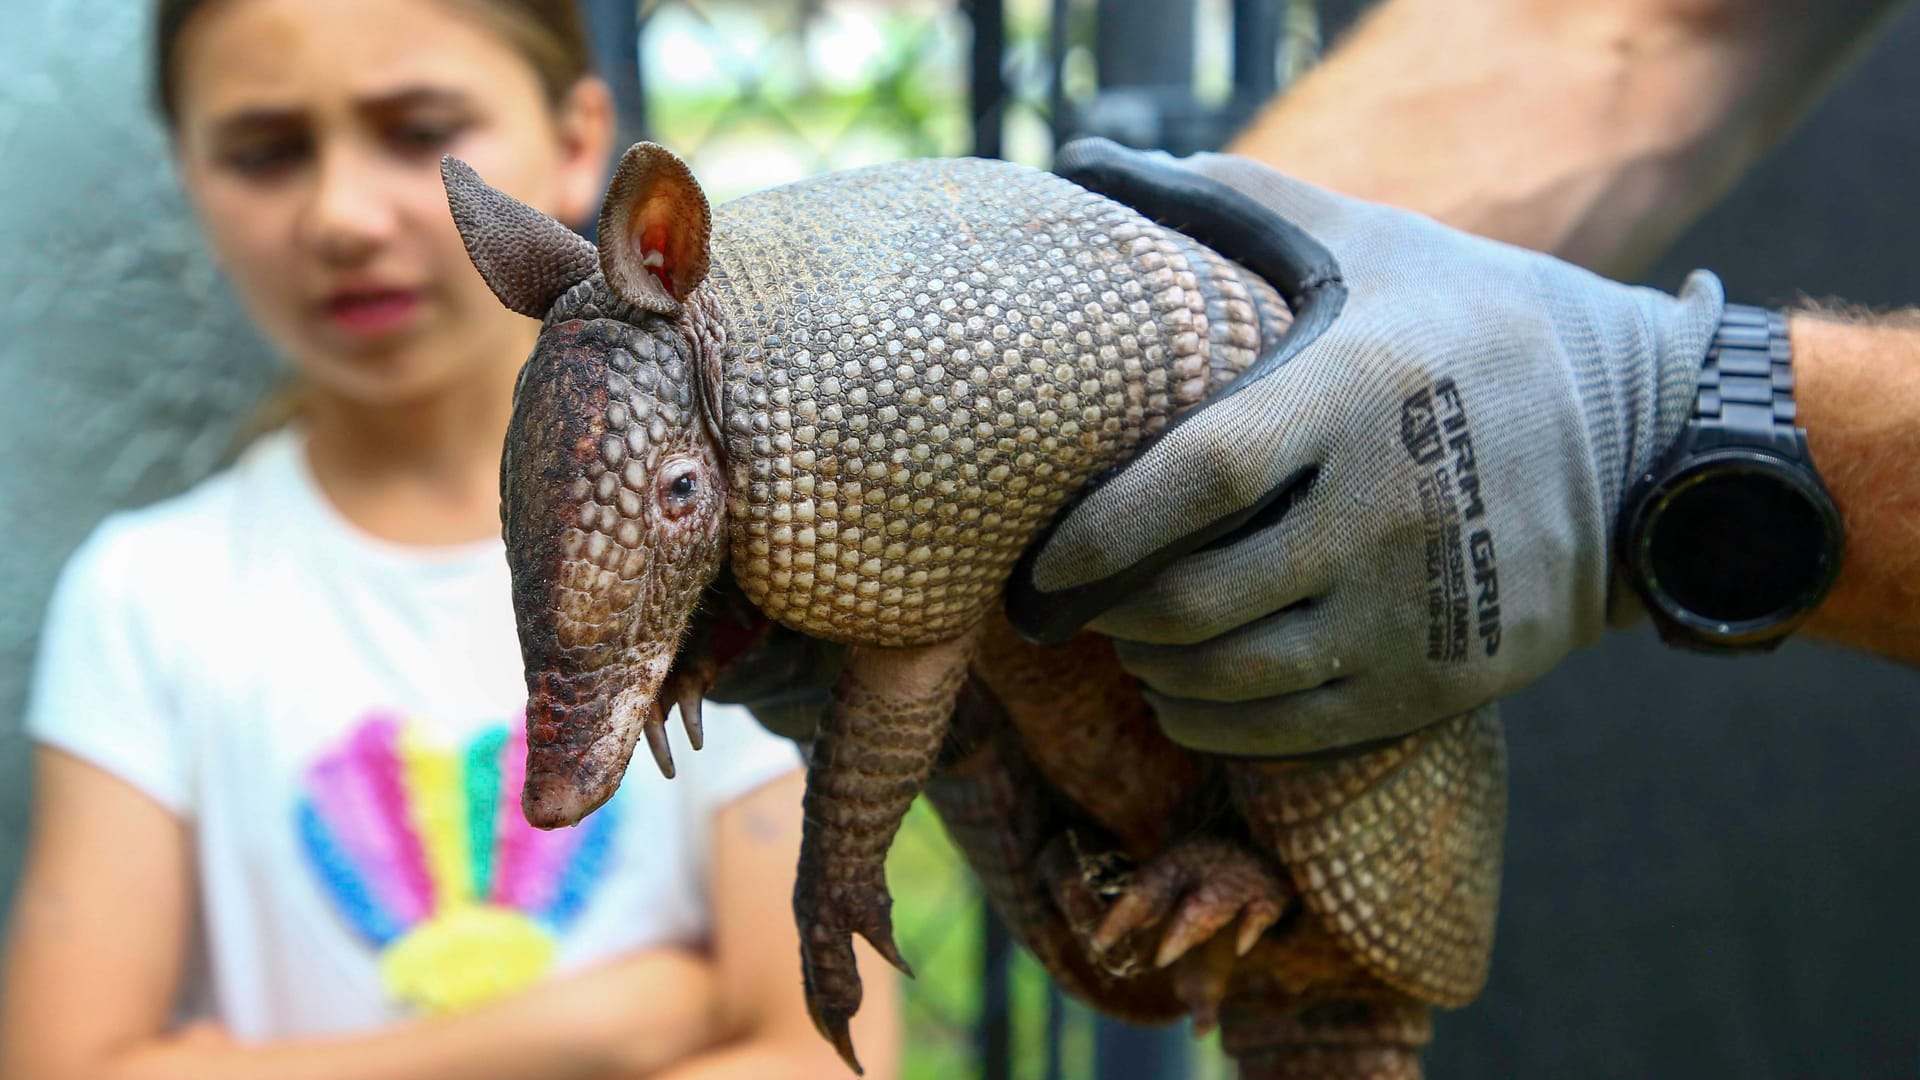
{"x":340,"y":720}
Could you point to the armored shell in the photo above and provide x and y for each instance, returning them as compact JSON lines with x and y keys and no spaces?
{"x":925,"y":360}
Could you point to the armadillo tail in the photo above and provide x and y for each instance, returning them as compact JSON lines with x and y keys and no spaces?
{"x":1335,"y":1041}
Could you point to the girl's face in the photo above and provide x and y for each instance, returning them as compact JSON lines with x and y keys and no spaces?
{"x":309,"y":137}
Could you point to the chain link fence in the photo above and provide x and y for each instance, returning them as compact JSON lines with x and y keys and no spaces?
{"x":754,"y":93}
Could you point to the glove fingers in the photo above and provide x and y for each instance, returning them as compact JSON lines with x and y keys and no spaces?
{"x":1284,"y":653}
{"x":1214,"y":590}
{"x":1334,"y":714}
{"x":1098,"y":164}
{"x":1234,"y":453}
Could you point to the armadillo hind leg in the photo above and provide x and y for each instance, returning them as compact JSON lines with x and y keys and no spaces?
{"x":1011,"y":828}
{"x":1273,"y":1038}
{"x":1197,"y":888}
{"x":1395,"y":849}
{"x":1184,"y":918}
{"x":873,"y":755}
{"x":1085,"y":725}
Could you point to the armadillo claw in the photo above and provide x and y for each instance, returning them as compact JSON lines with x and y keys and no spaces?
{"x":828,"y":920}
{"x":1200,"y":982}
{"x":832,"y":1026}
{"x":831,"y":916}
{"x":657,"y":742}
{"x":882,"y":942}
{"x":1136,"y":909}
{"x":1255,"y":921}
{"x":833,"y":989}
{"x":1199,"y":919}
{"x":687,"y":689}
{"x":690,"y":719}
{"x":1205,"y":883}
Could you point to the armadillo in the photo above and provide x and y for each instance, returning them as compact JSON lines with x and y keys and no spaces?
{"x":855,"y":400}
{"x":1314,"y":909}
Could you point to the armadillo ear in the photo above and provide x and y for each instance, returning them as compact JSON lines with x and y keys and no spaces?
{"x":527,"y":258}
{"x":654,"y":230}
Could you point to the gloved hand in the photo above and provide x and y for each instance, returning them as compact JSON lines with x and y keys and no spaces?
{"x":1433,"y":471}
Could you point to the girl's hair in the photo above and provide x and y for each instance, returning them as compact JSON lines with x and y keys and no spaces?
{"x":549,"y":33}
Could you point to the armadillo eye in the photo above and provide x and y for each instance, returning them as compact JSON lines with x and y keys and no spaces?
{"x":679,"y":483}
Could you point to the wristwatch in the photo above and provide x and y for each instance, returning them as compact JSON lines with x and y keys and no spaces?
{"x":1731,"y":540}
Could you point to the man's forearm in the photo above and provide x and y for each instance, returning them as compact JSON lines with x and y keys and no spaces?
{"x":1857,"y":384}
{"x":1591,"y":129}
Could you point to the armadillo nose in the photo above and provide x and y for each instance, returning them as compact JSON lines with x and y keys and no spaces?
{"x":567,"y":775}
{"x":552,"y":801}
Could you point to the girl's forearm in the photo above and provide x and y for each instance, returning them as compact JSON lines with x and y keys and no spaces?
{"x":625,"y":1019}
{"x":770,"y":1059}
{"x":461,"y":1047}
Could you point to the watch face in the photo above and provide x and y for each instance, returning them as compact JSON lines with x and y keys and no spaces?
{"x":1739,"y":542}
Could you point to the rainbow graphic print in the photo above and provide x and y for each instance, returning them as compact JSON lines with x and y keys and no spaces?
{"x":424,"y":851}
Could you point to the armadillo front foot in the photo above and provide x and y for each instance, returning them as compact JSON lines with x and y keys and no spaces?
{"x":828,"y":918}
{"x":871,"y":758}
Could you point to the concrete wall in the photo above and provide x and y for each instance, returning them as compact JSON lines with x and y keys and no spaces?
{"x":124,"y":364}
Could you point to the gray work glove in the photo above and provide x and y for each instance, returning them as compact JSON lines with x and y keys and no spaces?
{"x":1417,"y":495}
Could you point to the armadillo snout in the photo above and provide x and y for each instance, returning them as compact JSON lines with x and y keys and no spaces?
{"x":581,"y":732}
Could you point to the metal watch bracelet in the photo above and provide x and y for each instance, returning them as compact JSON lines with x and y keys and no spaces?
{"x":1746,"y":384}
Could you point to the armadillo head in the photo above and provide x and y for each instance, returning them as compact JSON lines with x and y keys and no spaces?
{"x":612,"y":495}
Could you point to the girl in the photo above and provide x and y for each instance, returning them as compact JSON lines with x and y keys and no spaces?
{"x":279,"y":747}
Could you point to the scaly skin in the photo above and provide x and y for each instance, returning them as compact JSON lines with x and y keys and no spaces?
{"x":1317,"y":908}
{"x":862,"y":396}
{"x":1091,"y":731}
{"x":868,"y":763}
{"x":1013,"y":830}
{"x":922,"y":362}
{"x":909,"y":396}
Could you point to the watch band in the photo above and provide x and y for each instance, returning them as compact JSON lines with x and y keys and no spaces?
{"x":1746,"y":384}
{"x":1742,"y":433}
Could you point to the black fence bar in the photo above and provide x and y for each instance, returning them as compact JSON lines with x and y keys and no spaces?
{"x":1145,"y":43}
{"x":1256,"y":35}
{"x":614,"y":27}
{"x":1056,"y":1020}
{"x":1145,"y":52}
{"x":1058,"y":16}
{"x":995,"y":1033}
{"x":987,"y":87}
{"x":1125,"y":1052}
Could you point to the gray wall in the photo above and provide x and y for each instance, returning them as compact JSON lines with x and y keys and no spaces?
{"x":123,"y":362}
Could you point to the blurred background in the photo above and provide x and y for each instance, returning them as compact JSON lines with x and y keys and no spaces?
{"x":1712,"y":866}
